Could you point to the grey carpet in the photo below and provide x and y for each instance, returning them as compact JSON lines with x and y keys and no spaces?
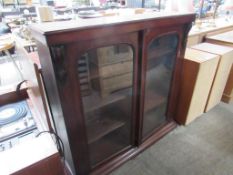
{"x":205,"y":147}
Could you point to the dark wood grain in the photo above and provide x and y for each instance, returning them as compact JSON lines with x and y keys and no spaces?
{"x":228,"y":91}
{"x":65,"y":98}
{"x":79,"y":50}
{"x":190,"y":72}
{"x":13,"y":96}
{"x":149,"y":36}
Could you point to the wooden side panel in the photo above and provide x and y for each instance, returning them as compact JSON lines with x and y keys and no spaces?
{"x":193,"y":40}
{"x":228,"y":91}
{"x":219,"y":81}
{"x":198,"y":75}
{"x":54,"y":100}
{"x":222,"y":72}
{"x":202,"y":88}
{"x":190,"y":71}
{"x":227,"y":98}
{"x":229,"y":86}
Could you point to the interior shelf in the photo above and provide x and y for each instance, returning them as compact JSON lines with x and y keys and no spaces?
{"x":153,"y":100}
{"x":96,"y":102}
{"x":159,"y":52}
{"x":99,"y":128}
{"x":106,"y":119}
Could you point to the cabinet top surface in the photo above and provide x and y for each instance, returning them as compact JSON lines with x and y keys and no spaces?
{"x":223,"y":37}
{"x":199,"y":56}
{"x":213,"y":48}
{"x":57,"y":27}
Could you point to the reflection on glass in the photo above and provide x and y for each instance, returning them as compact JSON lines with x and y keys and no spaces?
{"x":106,"y":76}
{"x":160,"y":64}
{"x":156,"y":4}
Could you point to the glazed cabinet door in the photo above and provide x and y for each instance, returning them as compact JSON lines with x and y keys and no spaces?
{"x":158,"y":71}
{"x":104,"y":73}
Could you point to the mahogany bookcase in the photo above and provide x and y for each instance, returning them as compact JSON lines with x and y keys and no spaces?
{"x":112,"y":84}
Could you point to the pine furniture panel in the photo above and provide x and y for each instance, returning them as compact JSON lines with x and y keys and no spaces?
{"x":222,"y":72}
{"x":225,"y":39}
{"x":198,"y":74}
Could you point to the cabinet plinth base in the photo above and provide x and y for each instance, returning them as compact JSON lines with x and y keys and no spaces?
{"x":114,"y":163}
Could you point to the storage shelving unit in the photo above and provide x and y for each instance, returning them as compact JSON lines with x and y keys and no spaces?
{"x":132,"y":79}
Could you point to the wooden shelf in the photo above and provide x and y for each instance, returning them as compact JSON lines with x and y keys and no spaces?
{"x":153,"y":100}
{"x":158,"y":52}
{"x":117,"y":59}
{"x":99,"y":128}
{"x":95,"y":101}
{"x":105,"y":120}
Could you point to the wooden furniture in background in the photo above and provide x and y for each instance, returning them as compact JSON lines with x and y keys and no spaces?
{"x":228,"y":91}
{"x":197,"y":35}
{"x":136,"y":103}
{"x":38,"y":155}
{"x":198,"y":74}
{"x":227,"y":40}
{"x":222,"y":72}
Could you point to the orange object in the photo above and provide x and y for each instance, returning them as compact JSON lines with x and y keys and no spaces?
{"x":139,"y":11}
{"x":29,"y":2}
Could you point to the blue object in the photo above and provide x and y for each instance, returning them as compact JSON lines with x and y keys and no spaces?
{"x":12,"y":112}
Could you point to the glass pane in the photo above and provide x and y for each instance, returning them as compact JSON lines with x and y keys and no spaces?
{"x":156,"y":4}
{"x":160,"y":64}
{"x":106,"y":77}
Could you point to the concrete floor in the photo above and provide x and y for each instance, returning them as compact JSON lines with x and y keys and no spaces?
{"x":204,"y":147}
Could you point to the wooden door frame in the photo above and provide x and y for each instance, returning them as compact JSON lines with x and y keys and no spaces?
{"x":75,"y":111}
{"x":148,"y":36}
